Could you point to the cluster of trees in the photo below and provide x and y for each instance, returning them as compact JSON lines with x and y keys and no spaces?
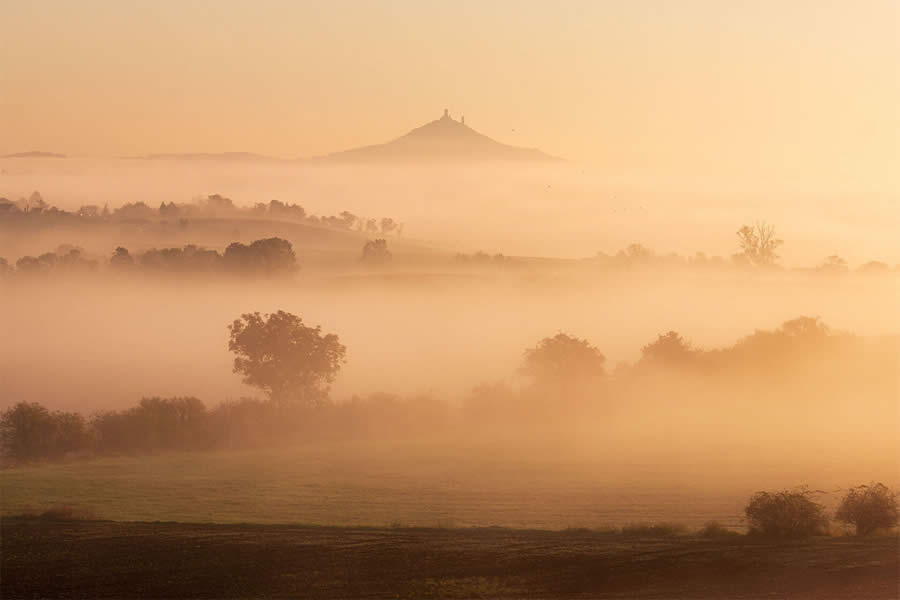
{"x":262,"y":257}
{"x":30,"y":432}
{"x":268,"y":256}
{"x":758,"y":248}
{"x":375,"y":252}
{"x":293,"y":365}
{"x":66,"y":258}
{"x":36,"y":209}
{"x":796,"y":514}
{"x":481,"y":258}
{"x":565,"y":366}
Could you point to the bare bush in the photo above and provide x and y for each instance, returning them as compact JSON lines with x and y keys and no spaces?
{"x":788,"y":514}
{"x":869,"y":508}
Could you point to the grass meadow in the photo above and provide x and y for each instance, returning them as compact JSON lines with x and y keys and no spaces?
{"x":371,"y":484}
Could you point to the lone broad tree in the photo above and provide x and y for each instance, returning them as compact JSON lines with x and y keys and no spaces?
{"x":289,"y":361}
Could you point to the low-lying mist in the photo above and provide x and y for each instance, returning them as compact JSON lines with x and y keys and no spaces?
{"x":447,"y":349}
{"x":435,"y":340}
{"x":99,"y":342}
{"x":568,"y":210}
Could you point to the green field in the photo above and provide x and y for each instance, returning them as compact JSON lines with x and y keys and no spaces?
{"x":373,"y":484}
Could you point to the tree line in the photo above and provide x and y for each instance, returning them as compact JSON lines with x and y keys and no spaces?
{"x":184,"y":423}
{"x":293,"y":365}
{"x":757,"y":247}
{"x":35,"y":209}
{"x":269,"y":256}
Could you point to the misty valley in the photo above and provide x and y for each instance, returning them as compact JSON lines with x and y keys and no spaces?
{"x":218,"y":364}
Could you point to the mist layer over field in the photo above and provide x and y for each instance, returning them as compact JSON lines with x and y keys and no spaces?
{"x":567,"y":210}
{"x":444,"y":338}
{"x":102,"y":342}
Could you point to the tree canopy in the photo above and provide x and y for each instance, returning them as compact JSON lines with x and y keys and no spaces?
{"x":759,"y":244}
{"x":563,"y":358}
{"x":668,"y":349}
{"x":283,"y":357}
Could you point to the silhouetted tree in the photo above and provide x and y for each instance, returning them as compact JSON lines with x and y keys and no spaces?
{"x":634,"y":254}
{"x":376,"y":252}
{"x":73,"y":259}
{"x":33,"y":266}
{"x":270,"y":255}
{"x":349,"y":219}
{"x":36,"y":203}
{"x":834,"y":264}
{"x":135,"y":210}
{"x":217,"y":202}
{"x":280,"y":210}
{"x":286,"y":359}
{"x":28,"y":431}
{"x":789,"y":513}
{"x":169,"y":210}
{"x":795,"y":340}
{"x":670,"y":349}
{"x":869,"y":508}
{"x":121,"y":258}
{"x":388,"y":226}
{"x":563,"y":358}
{"x":759,"y":244}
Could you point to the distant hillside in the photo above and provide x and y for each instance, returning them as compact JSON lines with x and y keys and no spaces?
{"x":213,"y":156}
{"x":34,"y":154}
{"x":444,"y":139}
{"x":441,"y":140}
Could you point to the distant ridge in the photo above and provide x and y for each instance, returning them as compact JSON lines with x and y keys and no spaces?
{"x":444,"y":139}
{"x":232,"y":156}
{"x":34,"y":154}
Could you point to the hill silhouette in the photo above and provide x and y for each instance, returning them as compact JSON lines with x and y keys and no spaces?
{"x":444,"y":139}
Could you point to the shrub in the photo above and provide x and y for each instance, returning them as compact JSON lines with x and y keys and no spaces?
{"x":789,"y":513}
{"x":869,"y":508}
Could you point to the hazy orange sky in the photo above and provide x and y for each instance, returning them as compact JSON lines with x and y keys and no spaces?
{"x":796,"y":89}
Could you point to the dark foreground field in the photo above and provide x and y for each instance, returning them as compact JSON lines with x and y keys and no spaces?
{"x":104,"y":559}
